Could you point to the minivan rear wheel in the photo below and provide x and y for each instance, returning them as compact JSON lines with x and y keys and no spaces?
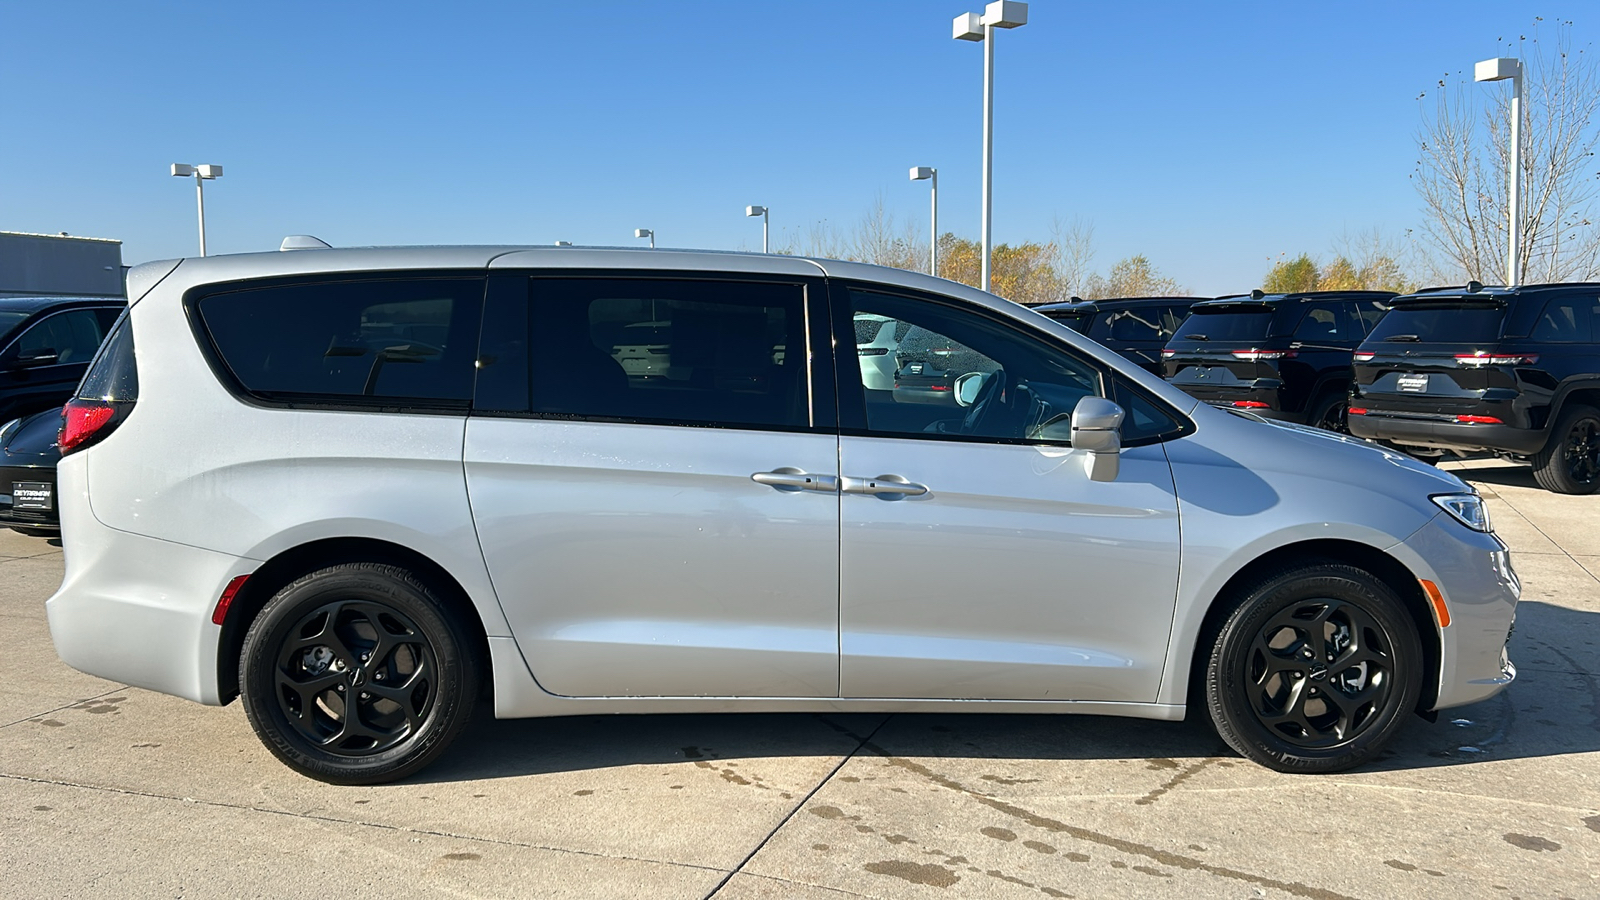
{"x":1314,"y":670}
{"x":1570,"y":464}
{"x":358,"y":674}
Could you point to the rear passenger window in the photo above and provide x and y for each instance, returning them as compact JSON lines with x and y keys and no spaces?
{"x":720,"y":353}
{"x":410,"y":342}
{"x":1325,"y":322}
{"x":1565,"y":320}
{"x":73,"y":336}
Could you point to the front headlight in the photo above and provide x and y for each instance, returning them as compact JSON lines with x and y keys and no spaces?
{"x":1468,"y":509}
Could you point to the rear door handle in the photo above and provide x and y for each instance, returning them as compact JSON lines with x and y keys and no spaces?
{"x":884,"y":487}
{"x":791,"y":481}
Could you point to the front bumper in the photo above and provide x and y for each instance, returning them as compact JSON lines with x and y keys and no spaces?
{"x":134,"y":609}
{"x":1480,"y":589}
{"x":1447,"y":435}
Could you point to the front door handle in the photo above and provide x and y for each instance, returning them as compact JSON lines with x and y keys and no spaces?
{"x":884,"y":487}
{"x":791,"y":481}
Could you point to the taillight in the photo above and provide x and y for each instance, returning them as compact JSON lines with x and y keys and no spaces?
{"x":1257,"y":355}
{"x":1496,"y":359}
{"x":82,"y":421}
{"x":1478,"y":420}
{"x":1364,"y":355}
{"x":1168,"y":354}
{"x":1251,"y":404}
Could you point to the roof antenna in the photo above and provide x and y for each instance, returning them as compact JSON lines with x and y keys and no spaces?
{"x":1474,"y":287}
{"x":304,"y":242}
{"x":1256,"y":294}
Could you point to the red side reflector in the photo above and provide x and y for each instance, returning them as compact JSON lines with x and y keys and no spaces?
{"x":80,"y":419}
{"x":1357,"y":410}
{"x":938,"y":387}
{"x":1251,"y":404}
{"x":1478,"y":420}
{"x":226,"y":600}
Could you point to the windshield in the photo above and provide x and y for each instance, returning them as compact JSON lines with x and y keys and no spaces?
{"x":1457,"y":324}
{"x":8,"y":323}
{"x":1231,"y":325}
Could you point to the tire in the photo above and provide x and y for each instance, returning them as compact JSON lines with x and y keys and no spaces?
{"x":1570,"y":464}
{"x":1329,"y":413}
{"x":1276,"y":707}
{"x":303,"y":655}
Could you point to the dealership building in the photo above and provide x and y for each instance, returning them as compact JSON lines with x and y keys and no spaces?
{"x":46,"y":265}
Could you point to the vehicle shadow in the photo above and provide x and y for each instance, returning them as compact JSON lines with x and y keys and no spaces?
{"x":1490,"y":472}
{"x":1553,"y":709}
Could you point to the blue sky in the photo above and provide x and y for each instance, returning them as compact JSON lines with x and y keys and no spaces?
{"x":1211,"y":138}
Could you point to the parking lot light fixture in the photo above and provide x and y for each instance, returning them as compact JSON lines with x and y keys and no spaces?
{"x":973,"y":27}
{"x":1499,"y":70}
{"x":201,"y":175}
{"x":646,"y":232}
{"x":927,"y":173}
{"x":762,"y":212}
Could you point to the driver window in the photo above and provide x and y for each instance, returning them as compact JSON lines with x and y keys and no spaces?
{"x":928,"y":369}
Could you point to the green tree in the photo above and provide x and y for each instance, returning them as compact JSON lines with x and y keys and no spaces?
{"x":1291,"y":275}
{"x":1133,"y":276}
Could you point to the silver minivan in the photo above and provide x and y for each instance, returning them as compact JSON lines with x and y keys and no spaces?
{"x":366,"y":489}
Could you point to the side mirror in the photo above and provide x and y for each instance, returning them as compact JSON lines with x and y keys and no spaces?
{"x":1096,"y":427}
{"x":38,"y":356}
{"x":968,"y":387}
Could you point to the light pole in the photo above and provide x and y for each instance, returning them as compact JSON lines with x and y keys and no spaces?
{"x":1499,"y":70}
{"x":202,"y":174}
{"x":762,"y":212}
{"x":973,"y":27}
{"x":924,"y":173}
{"x":646,"y":232}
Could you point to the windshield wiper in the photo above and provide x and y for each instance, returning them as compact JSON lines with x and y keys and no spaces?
{"x":1403,"y":337}
{"x":1196,"y":337}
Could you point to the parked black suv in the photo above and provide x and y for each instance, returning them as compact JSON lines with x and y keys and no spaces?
{"x":1512,"y":371}
{"x":1282,"y":356}
{"x":1136,"y":327}
{"x":45,"y":346}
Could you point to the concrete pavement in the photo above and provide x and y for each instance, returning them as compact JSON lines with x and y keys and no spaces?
{"x":107,"y":791}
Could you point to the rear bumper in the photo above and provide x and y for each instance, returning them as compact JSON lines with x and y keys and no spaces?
{"x":1474,"y":574}
{"x":133,"y":609}
{"x":1447,"y":435}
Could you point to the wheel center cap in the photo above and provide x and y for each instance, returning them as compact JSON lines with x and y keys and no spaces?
{"x":1318,"y":671}
{"x":358,"y":676}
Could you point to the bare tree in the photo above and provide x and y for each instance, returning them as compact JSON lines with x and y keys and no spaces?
{"x":1461,"y":174}
{"x":1074,"y":246}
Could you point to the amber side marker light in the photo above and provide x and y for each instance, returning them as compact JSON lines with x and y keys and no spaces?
{"x":232,"y":590}
{"x":1441,"y":613}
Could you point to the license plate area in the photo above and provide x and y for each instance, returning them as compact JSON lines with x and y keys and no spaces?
{"x":1413,"y":382}
{"x":35,"y":496}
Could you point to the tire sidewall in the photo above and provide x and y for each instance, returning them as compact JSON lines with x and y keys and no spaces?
{"x":1550,"y":466}
{"x":1226,"y":679}
{"x":455,"y":682}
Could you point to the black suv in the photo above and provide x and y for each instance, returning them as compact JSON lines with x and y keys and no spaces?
{"x":1282,"y":356}
{"x":45,"y":346}
{"x":1512,"y":371}
{"x":1136,"y":327}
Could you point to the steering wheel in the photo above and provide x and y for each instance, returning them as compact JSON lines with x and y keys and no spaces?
{"x":993,"y":385}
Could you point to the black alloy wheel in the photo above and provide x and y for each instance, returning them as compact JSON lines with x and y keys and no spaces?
{"x":1332,"y":413}
{"x":357,"y":674}
{"x":1571,"y":462}
{"x":1314,"y":670}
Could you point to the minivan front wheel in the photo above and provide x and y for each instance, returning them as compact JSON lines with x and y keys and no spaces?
{"x":358,"y":674}
{"x":1571,"y":462}
{"x":1314,"y":670}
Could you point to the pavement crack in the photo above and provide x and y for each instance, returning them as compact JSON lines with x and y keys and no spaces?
{"x":862,"y":741}
{"x":336,"y":820}
{"x":1184,"y":775}
{"x":31,"y":716}
{"x":1164,"y":857}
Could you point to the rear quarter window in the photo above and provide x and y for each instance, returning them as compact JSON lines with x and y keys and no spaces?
{"x":406,"y":342}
